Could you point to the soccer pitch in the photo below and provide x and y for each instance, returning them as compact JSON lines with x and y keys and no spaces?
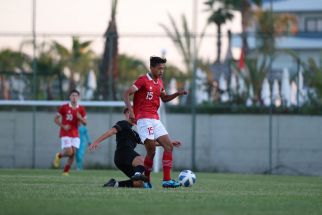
{"x":47,"y":192}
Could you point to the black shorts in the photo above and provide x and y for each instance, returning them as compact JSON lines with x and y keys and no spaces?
{"x":123,"y":160}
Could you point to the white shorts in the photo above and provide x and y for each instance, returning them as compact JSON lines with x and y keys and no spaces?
{"x":150,"y":129}
{"x":67,"y":142}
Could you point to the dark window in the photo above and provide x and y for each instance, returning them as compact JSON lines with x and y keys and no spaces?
{"x":313,"y":24}
{"x":319,"y":25}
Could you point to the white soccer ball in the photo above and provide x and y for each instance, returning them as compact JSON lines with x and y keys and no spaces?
{"x":187,"y":178}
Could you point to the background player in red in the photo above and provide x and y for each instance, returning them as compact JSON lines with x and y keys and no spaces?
{"x":147,"y":90}
{"x":68,"y":118}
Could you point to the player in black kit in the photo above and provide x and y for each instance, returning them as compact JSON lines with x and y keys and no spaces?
{"x":126,"y":158}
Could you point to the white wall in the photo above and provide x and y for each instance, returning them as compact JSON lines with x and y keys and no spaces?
{"x":224,"y":143}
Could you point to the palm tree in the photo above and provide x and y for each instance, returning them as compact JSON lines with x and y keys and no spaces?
{"x":79,"y":60}
{"x":219,"y":16}
{"x":265,"y":32}
{"x":312,"y":72}
{"x":9,"y":62}
{"x":245,"y":8}
{"x":257,"y":71}
{"x":49,"y":68}
{"x":183,"y":41}
{"x":313,"y":75}
{"x":174,"y":72}
{"x":109,"y":68}
{"x":270,"y":26}
{"x":129,"y":69}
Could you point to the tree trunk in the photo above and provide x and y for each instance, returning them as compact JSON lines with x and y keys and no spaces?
{"x":60,"y":79}
{"x":218,"y":43}
{"x":244,"y":18}
{"x":109,"y":67}
{"x":5,"y":88}
{"x":72,"y":84}
{"x":2,"y":87}
{"x":48,"y":91}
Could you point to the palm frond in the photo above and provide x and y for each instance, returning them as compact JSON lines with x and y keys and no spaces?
{"x":61,"y":50}
{"x":178,"y":36}
{"x":187,"y":35}
{"x":114,"y":6}
{"x":202,"y":35}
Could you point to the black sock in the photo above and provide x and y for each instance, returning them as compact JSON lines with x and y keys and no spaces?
{"x":139,"y":168}
{"x":126,"y":183}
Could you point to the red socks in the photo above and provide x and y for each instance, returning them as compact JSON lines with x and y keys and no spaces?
{"x":167,"y":165}
{"x":67,"y":168}
{"x":148,"y":163}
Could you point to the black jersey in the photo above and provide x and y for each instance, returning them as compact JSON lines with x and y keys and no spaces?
{"x":126,"y":137}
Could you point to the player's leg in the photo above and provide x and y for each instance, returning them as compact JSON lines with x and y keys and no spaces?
{"x":148,"y":160}
{"x":111,"y":183}
{"x":75,"y":142}
{"x":126,"y":183}
{"x":66,"y":144}
{"x":71,"y":154}
{"x":138,"y":184}
{"x":56,"y":161}
{"x":128,"y":171}
{"x":130,"y":163}
{"x":139,"y":169}
{"x":146,"y":132}
{"x":164,"y":140}
{"x":162,"y":137}
{"x":122,"y":163}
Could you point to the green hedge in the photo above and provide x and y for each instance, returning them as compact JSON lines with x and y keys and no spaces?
{"x":242,"y":109}
{"x":200,"y":109}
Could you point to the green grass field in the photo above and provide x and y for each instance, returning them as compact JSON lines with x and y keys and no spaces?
{"x":47,"y":192}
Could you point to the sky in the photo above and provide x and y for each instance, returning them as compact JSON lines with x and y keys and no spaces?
{"x":138,"y":24}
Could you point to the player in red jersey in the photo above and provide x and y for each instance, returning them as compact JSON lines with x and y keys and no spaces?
{"x":147,"y":90}
{"x":68,"y":118}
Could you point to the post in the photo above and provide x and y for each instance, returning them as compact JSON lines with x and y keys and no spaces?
{"x":298,"y":84}
{"x":34,"y":83}
{"x":193,"y":89}
{"x":162,"y":114}
{"x":270,"y":145}
{"x":111,"y":36}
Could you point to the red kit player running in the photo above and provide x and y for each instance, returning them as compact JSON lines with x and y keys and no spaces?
{"x":147,"y":90}
{"x":68,"y":118}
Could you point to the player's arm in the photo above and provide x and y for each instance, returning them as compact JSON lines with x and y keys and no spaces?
{"x":175,"y":143}
{"x":81,"y":116}
{"x":82,"y":120}
{"x":103,"y":137}
{"x":127,"y":101}
{"x":167,"y":98}
{"x":58,"y":122}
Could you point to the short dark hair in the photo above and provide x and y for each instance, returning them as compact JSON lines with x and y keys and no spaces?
{"x":125,"y":110}
{"x":74,"y":91}
{"x":154,"y":61}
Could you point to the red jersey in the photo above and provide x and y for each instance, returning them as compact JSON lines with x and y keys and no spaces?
{"x":69,"y":117}
{"x":146,"y":99}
